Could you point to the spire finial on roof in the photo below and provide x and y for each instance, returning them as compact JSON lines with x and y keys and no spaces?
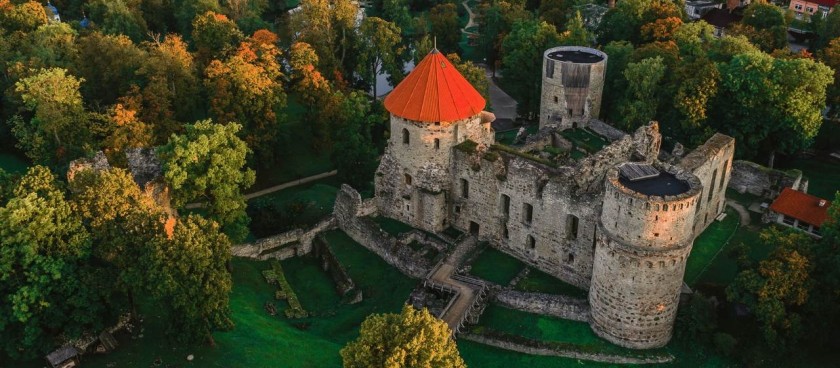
{"x":434,"y":49}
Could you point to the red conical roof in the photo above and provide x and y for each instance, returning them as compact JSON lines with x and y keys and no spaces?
{"x":434,"y":91}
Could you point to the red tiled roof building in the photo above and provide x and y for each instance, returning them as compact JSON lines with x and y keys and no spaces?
{"x":800,"y":210}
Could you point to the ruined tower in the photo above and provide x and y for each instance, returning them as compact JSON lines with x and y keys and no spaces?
{"x":644,"y":239}
{"x":572,"y":83}
{"x":432,"y":110}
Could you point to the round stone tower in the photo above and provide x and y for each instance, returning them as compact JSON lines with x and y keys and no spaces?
{"x":572,"y":83}
{"x":643,"y":241}
{"x":432,"y":110}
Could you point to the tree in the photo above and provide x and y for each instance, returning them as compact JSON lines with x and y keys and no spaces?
{"x":576,"y":33}
{"x":409,"y":339}
{"x":188,"y":274}
{"x":697,"y":85}
{"x":328,"y":27}
{"x":616,"y":85}
{"x":643,"y":83}
{"x":770,"y":105}
{"x":764,"y":24}
{"x":42,"y":269}
{"x":118,"y":17}
{"x":397,"y":11}
{"x":827,"y":29}
{"x":108,"y":64}
{"x":126,"y":131}
{"x":246,"y":88}
{"x":315,"y":92}
{"x":830,"y":55}
{"x":170,"y":86}
{"x":214,"y":35}
{"x":473,"y":74}
{"x":52,"y":45}
{"x":354,"y":155}
{"x":24,"y":17}
{"x":187,"y":10}
{"x":379,"y":49}
{"x":522,"y":62}
{"x":207,"y":164}
{"x":52,"y":97}
{"x":778,"y":286}
{"x":495,"y":20}
{"x":554,"y":12}
{"x":444,"y":20}
{"x":122,"y":221}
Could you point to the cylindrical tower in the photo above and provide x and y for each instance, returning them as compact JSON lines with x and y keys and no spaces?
{"x":572,"y":83}
{"x":644,"y":238}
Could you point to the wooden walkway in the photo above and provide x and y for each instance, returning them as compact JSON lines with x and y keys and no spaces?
{"x":275,"y":188}
{"x":468,"y":292}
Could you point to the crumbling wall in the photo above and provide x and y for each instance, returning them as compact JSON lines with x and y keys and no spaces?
{"x":329,"y":263}
{"x":712,"y":164}
{"x":545,"y":304}
{"x":643,"y":145}
{"x":289,"y":244}
{"x":605,"y":130}
{"x":348,"y":207}
{"x":750,"y":177}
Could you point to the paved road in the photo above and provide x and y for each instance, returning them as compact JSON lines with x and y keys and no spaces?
{"x":742,"y":212}
{"x":504,"y":106}
{"x":275,"y":188}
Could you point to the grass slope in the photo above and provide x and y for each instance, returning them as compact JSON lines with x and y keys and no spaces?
{"x":13,"y":163}
{"x":823,"y":174}
{"x":495,"y":266}
{"x":541,"y":282}
{"x":708,"y":245}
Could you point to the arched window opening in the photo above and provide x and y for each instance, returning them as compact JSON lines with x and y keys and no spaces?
{"x":405,"y":136}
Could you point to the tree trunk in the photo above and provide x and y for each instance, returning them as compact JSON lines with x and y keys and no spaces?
{"x":132,"y":306}
{"x":772,"y":159}
{"x":373,"y":68}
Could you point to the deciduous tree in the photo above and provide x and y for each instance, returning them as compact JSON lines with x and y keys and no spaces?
{"x":522,"y":62}
{"x":379,"y":49}
{"x":409,"y":339}
{"x":643,"y":84}
{"x":206,"y":164}
{"x":444,"y":20}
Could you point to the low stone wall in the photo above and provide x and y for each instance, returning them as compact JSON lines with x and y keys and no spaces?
{"x":545,"y":304}
{"x":281,"y":246}
{"x":329,"y":263}
{"x":348,"y":210}
{"x":537,"y":348}
{"x":750,"y":177}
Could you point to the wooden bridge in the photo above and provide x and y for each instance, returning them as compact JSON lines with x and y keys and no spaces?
{"x":469,"y":294}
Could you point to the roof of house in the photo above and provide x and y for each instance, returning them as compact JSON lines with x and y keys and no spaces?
{"x":801,"y":206}
{"x":62,"y":354}
{"x":721,"y":18}
{"x":434,"y":91}
{"x":828,"y":3}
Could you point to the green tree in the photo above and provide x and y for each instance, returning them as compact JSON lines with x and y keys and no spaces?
{"x":52,"y":97}
{"x":188,"y":274}
{"x":495,"y":21}
{"x":328,"y":27}
{"x":619,"y":53}
{"x":108,"y":64}
{"x":554,"y":12}
{"x":397,"y":11}
{"x":380,"y":48}
{"x":444,"y":20}
{"x":522,"y":62}
{"x":42,"y":269}
{"x":214,"y":35}
{"x":576,"y":33}
{"x":641,"y":100}
{"x":354,"y":155}
{"x":187,"y":10}
{"x":764,"y":24}
{"x":206,"y":164}
{"x":118,"y":17}
{"x":50,"y":46}
{"x":777,"y":288}
{"x":770,"y":105}
{"x":409,"y":339}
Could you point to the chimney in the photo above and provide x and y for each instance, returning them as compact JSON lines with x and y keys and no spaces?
{"x":822,"y":202}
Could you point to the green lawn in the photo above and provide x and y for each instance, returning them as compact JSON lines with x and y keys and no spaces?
{"x":13,"y":163}
{"x":823,"y":174}
{"x":494,"y":266}
{"x":586,"y":139}
{"x":541,"y":282}
{"x":708,"y":245}
{"x":507,"y":137}
{"x":391,"y":226}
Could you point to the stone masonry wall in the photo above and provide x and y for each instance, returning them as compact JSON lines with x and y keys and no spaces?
{"x":712,"y":164}
{"x":565,"y":84}
{"x":545,"y":304}
{"x":750,"y":177}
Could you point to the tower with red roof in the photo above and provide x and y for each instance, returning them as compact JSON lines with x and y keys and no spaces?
{"x":433,"y":110}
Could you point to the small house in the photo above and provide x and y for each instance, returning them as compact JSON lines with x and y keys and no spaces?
{"x":65,"y":357}
{"x":804,"y":9}
{"x":698,"y":8}
{"x":800,"y":211}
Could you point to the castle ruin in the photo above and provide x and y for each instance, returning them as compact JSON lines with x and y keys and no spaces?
{"x":619,"y":221}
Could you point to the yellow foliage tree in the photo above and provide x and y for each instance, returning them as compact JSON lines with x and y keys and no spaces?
{"x":411,"y":339}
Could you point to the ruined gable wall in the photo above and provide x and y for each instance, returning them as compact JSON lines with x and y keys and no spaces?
{"x":712,"y":164}
{"x":643,"y":144}
{"x":548,"y":191}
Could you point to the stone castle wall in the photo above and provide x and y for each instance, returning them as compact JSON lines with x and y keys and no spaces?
{"x":750,"y":177}
{"x":712,"y":164}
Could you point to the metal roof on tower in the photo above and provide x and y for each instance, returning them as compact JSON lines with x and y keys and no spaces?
{"x":434,"y":91}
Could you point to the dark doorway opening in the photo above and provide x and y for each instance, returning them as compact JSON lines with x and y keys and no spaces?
{"x":473,"y":228}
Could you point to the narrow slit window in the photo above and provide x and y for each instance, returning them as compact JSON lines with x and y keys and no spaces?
{"x":528,"y":210}
{"x":405,"y":136}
